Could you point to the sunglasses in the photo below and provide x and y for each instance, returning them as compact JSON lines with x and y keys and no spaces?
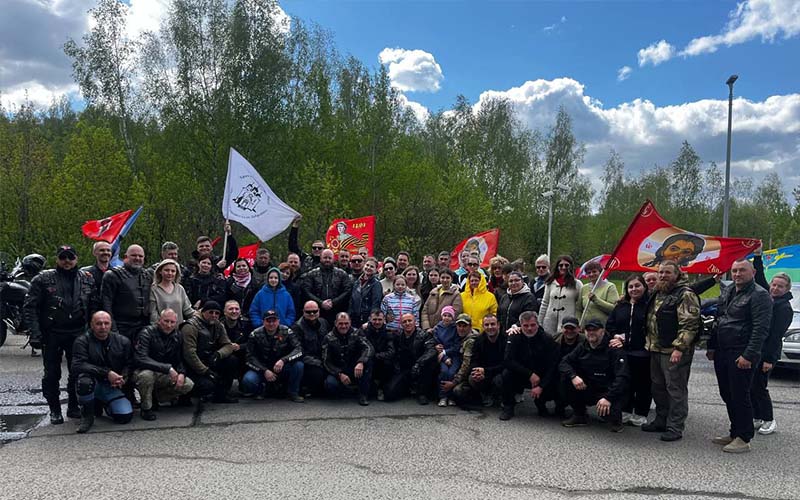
{"x":314,"y":311}
{"x":67,"y":257}
{"x":356,"y":261}
{"x":563,"y":265}
{"x":390,"y":268}
{"x":317,"y":248}
{"x":473,"y":264}
{"x":542,"y":267}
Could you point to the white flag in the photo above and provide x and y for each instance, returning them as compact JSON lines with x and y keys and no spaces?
{"x":250,"y":201}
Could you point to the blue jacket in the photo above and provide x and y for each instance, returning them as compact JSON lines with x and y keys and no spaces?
{"x":277,"y":299}
{"x":448,"y":337}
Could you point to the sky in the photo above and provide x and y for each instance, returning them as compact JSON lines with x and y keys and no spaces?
{"x":637,"y":76}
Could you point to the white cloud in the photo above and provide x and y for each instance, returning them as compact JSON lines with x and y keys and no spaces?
{"x":420,"y":111}
{"x":624,"y":73}
{"x":146,"y":15}
{"x":656,"y":53}
{"x":412,"y":70}
{"x":12,"y":98}
{"x":766,"y":134}
{"x":552,"y":27}
{"x":764,"y":19}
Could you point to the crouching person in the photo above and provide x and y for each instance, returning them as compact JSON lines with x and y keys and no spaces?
{"x":347,"y":357}
{"x":273,"y":360}
{"x":102,"y":361}
{"x":159,"y":359}
{"x":416,"y":362}
{"x":595,"y":374}
{"x":207,"y":352}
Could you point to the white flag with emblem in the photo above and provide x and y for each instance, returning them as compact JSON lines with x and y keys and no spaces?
{"x":249,"y":200}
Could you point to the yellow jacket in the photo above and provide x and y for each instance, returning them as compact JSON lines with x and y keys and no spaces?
{"x":478,"y":303}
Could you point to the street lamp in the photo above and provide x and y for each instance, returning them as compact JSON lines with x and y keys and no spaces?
{"x":727,"y":202}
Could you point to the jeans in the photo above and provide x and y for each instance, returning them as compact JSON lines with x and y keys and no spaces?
{"x":116,"y":404}
{"x":446,"y":374}
{"x":335,"y":388}
{"x":255,"y":383}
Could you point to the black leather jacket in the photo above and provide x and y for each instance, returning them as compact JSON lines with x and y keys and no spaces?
{"x":382,"y":343}
{"x":264,"y":349}
{"x":97,"y":357}
{"x":417,"y":349}
{"x":311,"y":337}
{"x":56,"y":306}
{"x":159,"y":351}
{"x":744,"y":320}
{"x":603,"y":369}
{"x":341,"y":353}
{"x":126,"y":294}
{"x":323,"y":284}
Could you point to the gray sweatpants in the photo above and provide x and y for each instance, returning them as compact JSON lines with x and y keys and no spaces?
{"x":671,"y":389}
{"x":148,"y":381}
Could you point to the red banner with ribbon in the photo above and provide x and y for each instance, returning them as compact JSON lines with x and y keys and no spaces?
{"x":351,"y":234}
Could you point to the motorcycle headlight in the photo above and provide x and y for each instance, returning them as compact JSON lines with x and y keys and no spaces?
{"x":795,"y":337}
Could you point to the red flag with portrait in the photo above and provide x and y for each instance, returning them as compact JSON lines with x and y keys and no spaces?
{"x":485,"y":243}
{"x":650,"y":240}
{"x":351,"y":234}
{"x":106,"y":229}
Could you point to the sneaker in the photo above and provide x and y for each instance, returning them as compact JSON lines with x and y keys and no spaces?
{"x":507,"y":413}
{"x":653,"y":427}
{"x":363,"y":401}
{"x":576,"y":421}
{"x":768,"y":427}
{"x":518,"y":398}
{"x":670,"y":436}
{"x":443,"y":402}
{"x":380,"y":395}
{"x":148,"y":414}
{"x":637,"y":420}
{"x":616,"y":427}
{"x":626,"y":417}
{"x":296,"y":398}
{"x":737,"y":446}
{"x":722,"y":440}
{"x":757,"y":423}
{"x":422,"y":400}
{"x":56,"y":418}
{"x":451,"y":402}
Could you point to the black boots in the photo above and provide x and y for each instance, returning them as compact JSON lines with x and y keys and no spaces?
{"x":87,"y":418}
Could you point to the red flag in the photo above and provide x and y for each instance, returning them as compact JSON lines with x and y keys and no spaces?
{"x":106,"y":229}
{"x":485,"y":243}
{"x":650,"y":239}
{"x":351,"y":234}
{"x":248,"y":253}
{"x":600,"y":259}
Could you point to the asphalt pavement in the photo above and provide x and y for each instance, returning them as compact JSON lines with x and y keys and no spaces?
{"x":337,"y":449}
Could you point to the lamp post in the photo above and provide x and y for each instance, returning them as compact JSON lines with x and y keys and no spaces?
{"x":550,"y":195}
{"x":727,"y":202}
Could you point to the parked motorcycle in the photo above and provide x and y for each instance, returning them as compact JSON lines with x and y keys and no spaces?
{"x":14,"y":286}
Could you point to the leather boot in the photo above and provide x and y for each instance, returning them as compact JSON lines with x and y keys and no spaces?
{"x":87,"y":418}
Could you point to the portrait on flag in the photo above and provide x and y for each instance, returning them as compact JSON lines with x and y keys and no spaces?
{"x":484,"y":243}
{"x":351,"y":234}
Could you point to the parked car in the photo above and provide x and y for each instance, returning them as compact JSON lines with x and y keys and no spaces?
{"x":790,"y":356}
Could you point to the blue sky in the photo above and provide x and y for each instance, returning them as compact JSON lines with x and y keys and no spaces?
{"x":638,"y":77}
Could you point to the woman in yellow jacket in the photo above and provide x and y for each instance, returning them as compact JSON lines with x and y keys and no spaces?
{"x":477,"y":300}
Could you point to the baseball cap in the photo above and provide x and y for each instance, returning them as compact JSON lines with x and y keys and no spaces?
{"x":67,"y":251}
{"x":464,"y":318}
{"x":569,"y":321}
{"x":593,"y":324}
{"x":270,"y":314}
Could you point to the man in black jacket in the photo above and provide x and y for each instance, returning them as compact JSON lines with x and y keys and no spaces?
{"x":102,"y":258}
{"x":415,"y":353}
{"x":159,"y":363}
{"x":310,"y":329}
{"x":594,"y":373}
{"x":781,"y":319}
{"x":382,"y":342}
{"x":347,"y":356}
{"x":126,"y":294}
{"x":57,"y":310}
{"x":274,"y":360}
{"x":329,"y":287}
{"x":307,"y":262}
{"x":205,"y":248}
{"x":530,"y":361}
{"x":735,"y":346}
{"x":486,"y":364}
{"x":102,"y":362}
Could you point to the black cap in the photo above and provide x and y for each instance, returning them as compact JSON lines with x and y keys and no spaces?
{"x":570,"y":321}
{"x":593,"y":324}
{"x":270,"y":314}
{"x":67,"y":251}
{"x":211,"y":305}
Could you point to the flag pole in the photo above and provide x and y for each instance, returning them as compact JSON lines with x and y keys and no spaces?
{"x":225,"y":241}
{"x":583,"y":314}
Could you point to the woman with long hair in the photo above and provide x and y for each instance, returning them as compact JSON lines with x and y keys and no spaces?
{"x":167,"y":292}
{"x":561,"y":296}
{"x":241,"y":287}
{"x":445,"y":294}
{"x":204,"y":285}
{"x":627,"y":326}
{"x":431,"y":282}
{"x":411,"y":274}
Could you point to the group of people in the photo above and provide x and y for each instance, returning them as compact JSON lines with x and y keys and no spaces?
{"x":321,"y":324}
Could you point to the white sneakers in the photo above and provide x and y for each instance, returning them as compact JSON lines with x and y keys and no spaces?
{"x":768,"y":427}
{"x":757,"y":423}
{"x":442,"y":402}
{"x":638,"y":420}
{"x":626,"y":417}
